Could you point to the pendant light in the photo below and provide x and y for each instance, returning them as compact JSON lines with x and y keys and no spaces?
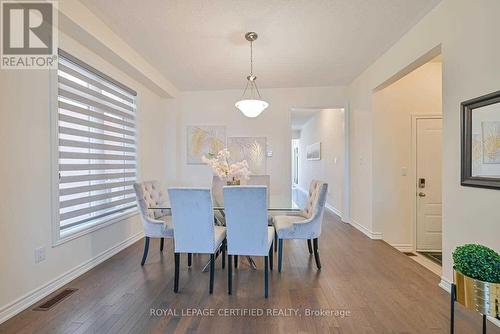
{"x":251,"y":103}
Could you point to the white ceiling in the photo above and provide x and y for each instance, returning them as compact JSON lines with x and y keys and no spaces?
{"x":300,"y":116}
{"x":200,"y":45}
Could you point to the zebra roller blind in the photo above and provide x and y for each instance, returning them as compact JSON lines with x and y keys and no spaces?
{"x":96,"y":144}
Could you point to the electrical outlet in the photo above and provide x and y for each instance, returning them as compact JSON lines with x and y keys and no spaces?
{"x":39,"y":254}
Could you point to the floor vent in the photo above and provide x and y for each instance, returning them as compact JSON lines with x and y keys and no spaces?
{"x":47,"y":305}
{"x":409,"y":253}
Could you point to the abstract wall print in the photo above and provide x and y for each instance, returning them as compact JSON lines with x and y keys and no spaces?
{"x":481,"y":142}
{"x":491,"y":142}
{"x":313,"y":151}
{"x":251,"y":149}
{"x":204,"y":141}
{"x":477,"y":152}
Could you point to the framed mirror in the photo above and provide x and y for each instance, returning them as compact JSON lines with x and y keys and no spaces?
{"x":481,"y":141}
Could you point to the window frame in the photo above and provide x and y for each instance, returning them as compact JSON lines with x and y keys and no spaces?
{"x":58,"y":235}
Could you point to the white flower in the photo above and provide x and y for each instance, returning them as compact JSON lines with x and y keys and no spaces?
{"x":221,"y":167}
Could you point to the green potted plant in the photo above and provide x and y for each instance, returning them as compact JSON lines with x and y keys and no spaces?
{"x":477,"y":279}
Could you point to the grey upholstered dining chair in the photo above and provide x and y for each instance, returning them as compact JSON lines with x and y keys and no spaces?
{"x":248,"y":232}
{"x":194,"y":229}
{"x":156,"y":223}
{"x":306,"y":225}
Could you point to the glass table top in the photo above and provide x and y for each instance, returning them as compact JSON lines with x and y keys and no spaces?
{"x":276,"y":203}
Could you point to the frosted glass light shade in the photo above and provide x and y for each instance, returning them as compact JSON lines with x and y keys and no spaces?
{"x":251,"y":108}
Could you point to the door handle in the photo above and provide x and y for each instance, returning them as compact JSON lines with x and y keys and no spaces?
{"x":421,"y":194}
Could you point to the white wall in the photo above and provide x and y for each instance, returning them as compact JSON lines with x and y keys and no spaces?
{"x":327,"y":127}
{"x":217,"y":108}
{"x":419,"y":92}
{"x":25,"y":148}
{"x":465,"y":29}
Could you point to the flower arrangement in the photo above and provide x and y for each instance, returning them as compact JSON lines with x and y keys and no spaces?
{"x":232,"y":173}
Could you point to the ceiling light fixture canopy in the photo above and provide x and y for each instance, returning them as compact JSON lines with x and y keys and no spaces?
{"x":251,"y":103}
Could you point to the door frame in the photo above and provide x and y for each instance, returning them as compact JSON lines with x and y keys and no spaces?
{"x":413,"y":173}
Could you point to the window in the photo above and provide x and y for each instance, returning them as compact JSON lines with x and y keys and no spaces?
{"x":96,"y":146}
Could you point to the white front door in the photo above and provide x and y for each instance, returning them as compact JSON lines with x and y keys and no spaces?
{"x":429,"y":203}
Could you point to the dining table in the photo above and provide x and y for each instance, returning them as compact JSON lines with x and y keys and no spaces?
{"x":277,"y":205}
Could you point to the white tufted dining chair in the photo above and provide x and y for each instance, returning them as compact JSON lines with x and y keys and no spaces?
{"x":194,"y":230}
{"x":156,"y":223}
{"x":306,"y":225}
{"x":248,"y":232}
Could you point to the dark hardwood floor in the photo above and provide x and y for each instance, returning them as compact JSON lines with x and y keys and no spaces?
{"x":383,"y":289}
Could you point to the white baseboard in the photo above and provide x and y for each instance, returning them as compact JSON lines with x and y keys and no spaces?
{"x":446,"y":286}
{"x":334,"y":210}
{"x":36,"y":295}
{"x":405,"y":248}
{"x":494,"y":321}
{"x":365,"y":231}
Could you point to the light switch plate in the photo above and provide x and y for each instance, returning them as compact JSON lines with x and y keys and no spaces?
{"x":39,"y":254}
{"x":404,"y":171}
{"x":269,"y":153}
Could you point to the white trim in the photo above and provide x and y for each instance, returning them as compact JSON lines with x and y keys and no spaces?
{"x":54,"y":156}
{"x":365,"y":231}
{"x":446,"y":286}
{"x":37,"y":294}
{"x":333,"y":209}
{"x":63,"y":238}
{"x":494,"y":321}
{"x":413,"y":171}
{"x":405,"y":248}
{"x":346,"y":195}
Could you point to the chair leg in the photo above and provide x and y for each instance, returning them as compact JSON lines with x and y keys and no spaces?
{"x":275,"y":241}
{"x":229,"y":275}
{"x":146,"y":248}
{"x":161,"y":244}
{"x":309,"y":246}
{"x":271,"y":264}
{"x":236,"y":261}
{"x":266,"y":276}
{"x":223,"y":248}
{"x":316,"y":253}
{"x":280,"y":254}
{"x":212,"y":272}
{"x":177,"y":258}
{"x":452,"y":309}
{"x":190,"y":259}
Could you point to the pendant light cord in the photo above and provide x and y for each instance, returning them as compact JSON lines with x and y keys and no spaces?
{"x":251,"y":83}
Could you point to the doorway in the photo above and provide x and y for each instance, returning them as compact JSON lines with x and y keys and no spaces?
{"x":407,"y":122}
{"x":324,"y":132}
{"x":427,"y":154}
